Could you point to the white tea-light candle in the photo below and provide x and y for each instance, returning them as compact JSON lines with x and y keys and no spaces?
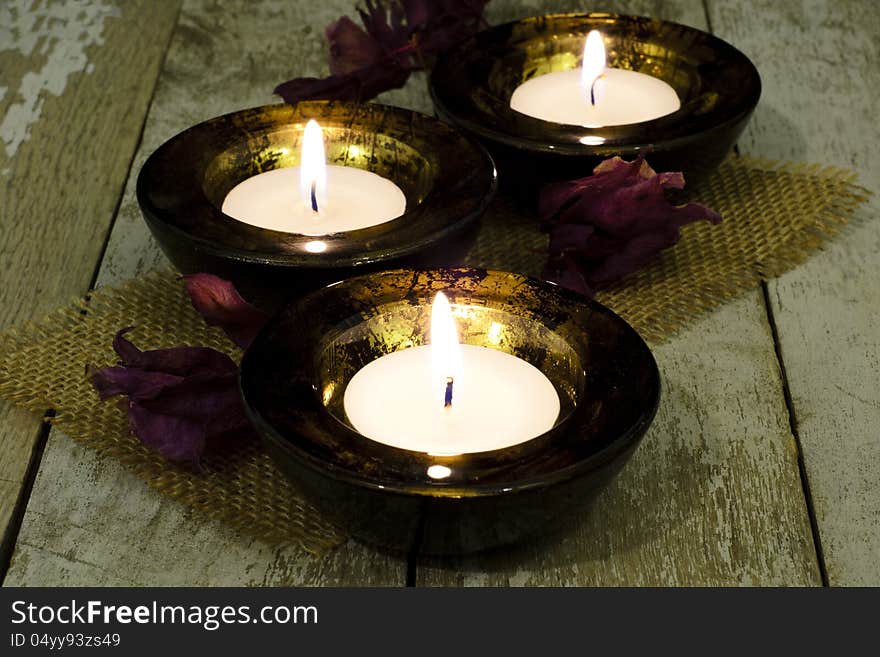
{"x":446,"y":398}
{"x":595,"y":95}
{"x":313,"y":198}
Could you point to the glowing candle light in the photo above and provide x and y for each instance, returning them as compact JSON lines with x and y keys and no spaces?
{"x":595,"y":95}
{"x":593,"y":65}
{"x":313,"y":198}
{"x":313,"y":168}
{"x":447,"y":398}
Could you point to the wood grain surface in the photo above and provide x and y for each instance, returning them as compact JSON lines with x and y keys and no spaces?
{"x":75,"y":84}
{"x":820,"y":64}
{"x":713,"y":496}
{"x":88,"y":520}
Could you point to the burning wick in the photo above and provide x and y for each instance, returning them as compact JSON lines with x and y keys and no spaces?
{"x":445,"y":352}
{"x":314,"y":196}
{"x":593,"y":90}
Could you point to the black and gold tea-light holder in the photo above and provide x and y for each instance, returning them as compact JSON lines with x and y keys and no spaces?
{"x":447,"y":178}
{"x":717,"y":86}
{"x":295,"y":376}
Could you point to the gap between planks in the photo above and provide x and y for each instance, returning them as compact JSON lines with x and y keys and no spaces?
{"x":10,"y":536}
{"x":792,"y":423}
{"x":789,"y":410}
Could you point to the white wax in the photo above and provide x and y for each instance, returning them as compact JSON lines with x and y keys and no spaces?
{"x":355,"y":199}
{"x":622,"y":97}
{"x":498,"y":400}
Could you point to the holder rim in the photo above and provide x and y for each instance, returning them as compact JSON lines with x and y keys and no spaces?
{"x":434,"y":219}
{"x":331,"y":429}
{"x":537,"y":135}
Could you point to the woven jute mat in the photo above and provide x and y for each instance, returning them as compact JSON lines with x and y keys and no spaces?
{"x":775,"y":214}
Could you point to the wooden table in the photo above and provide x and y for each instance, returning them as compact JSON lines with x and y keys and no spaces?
{"x":762,"y":466}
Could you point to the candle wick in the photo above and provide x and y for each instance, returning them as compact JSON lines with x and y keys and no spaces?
{"x":314,"y":196}
{"x":447,"y":399}
{"x":593,"y":89}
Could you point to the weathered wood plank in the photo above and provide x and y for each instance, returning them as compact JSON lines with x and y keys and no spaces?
{"x":712,"y":496}
{"x":820,"y":63}
{"x":90,"y":521}
{"x":74,"y":89}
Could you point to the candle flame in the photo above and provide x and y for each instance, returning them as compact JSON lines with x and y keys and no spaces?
{"x":445,"y":352}
{"x":594,"y":63}
{"x":313,"y":168}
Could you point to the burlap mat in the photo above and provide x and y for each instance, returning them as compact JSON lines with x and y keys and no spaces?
{"x":774,"y":216}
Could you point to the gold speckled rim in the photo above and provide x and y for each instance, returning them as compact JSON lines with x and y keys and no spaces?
{"x":294,"y":376}
{"x":472,"y":83}
{"x":448,"y":179}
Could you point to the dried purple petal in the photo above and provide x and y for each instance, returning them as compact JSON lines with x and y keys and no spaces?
{"x":177,"y":439}
{"x":386,"y":25}
{"x":126,"y":351}
{"x":337,"y":87}
{"x":449,"y":22}
{"x":397,"y":38}
{"x":179,"y":399}
{"x":418,"y":12}
{"x":612,"y":223}
{"x":138,"y":384}
{"x":360,"y":85}
{"x":221,"y":305}
{"x":630,"y":255}
{"x":181,"y":361}
{"x":351,"y":48}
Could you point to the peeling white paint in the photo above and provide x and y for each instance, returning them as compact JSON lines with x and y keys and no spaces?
{"x":59,"y":33}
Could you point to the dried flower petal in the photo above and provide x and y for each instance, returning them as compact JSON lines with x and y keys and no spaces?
{"x":179,"y":399}
{"x":221,"y":305}
{"x":351,"y":48}
{"x":337,"y":87}
{"x":360,"y":85}
{"x":612,"y":223}
{"x":177,"y":439}
{"x":387,"y":25}
{"x":448,"y":22}
{"x":397,"y":38}
{"x":181,"y":361}
{"x":139,"y":384}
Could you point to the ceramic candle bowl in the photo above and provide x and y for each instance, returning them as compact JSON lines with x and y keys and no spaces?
{"x":448,"y":180}
{"x":294,"y":377}
{"x":717,"y":85}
